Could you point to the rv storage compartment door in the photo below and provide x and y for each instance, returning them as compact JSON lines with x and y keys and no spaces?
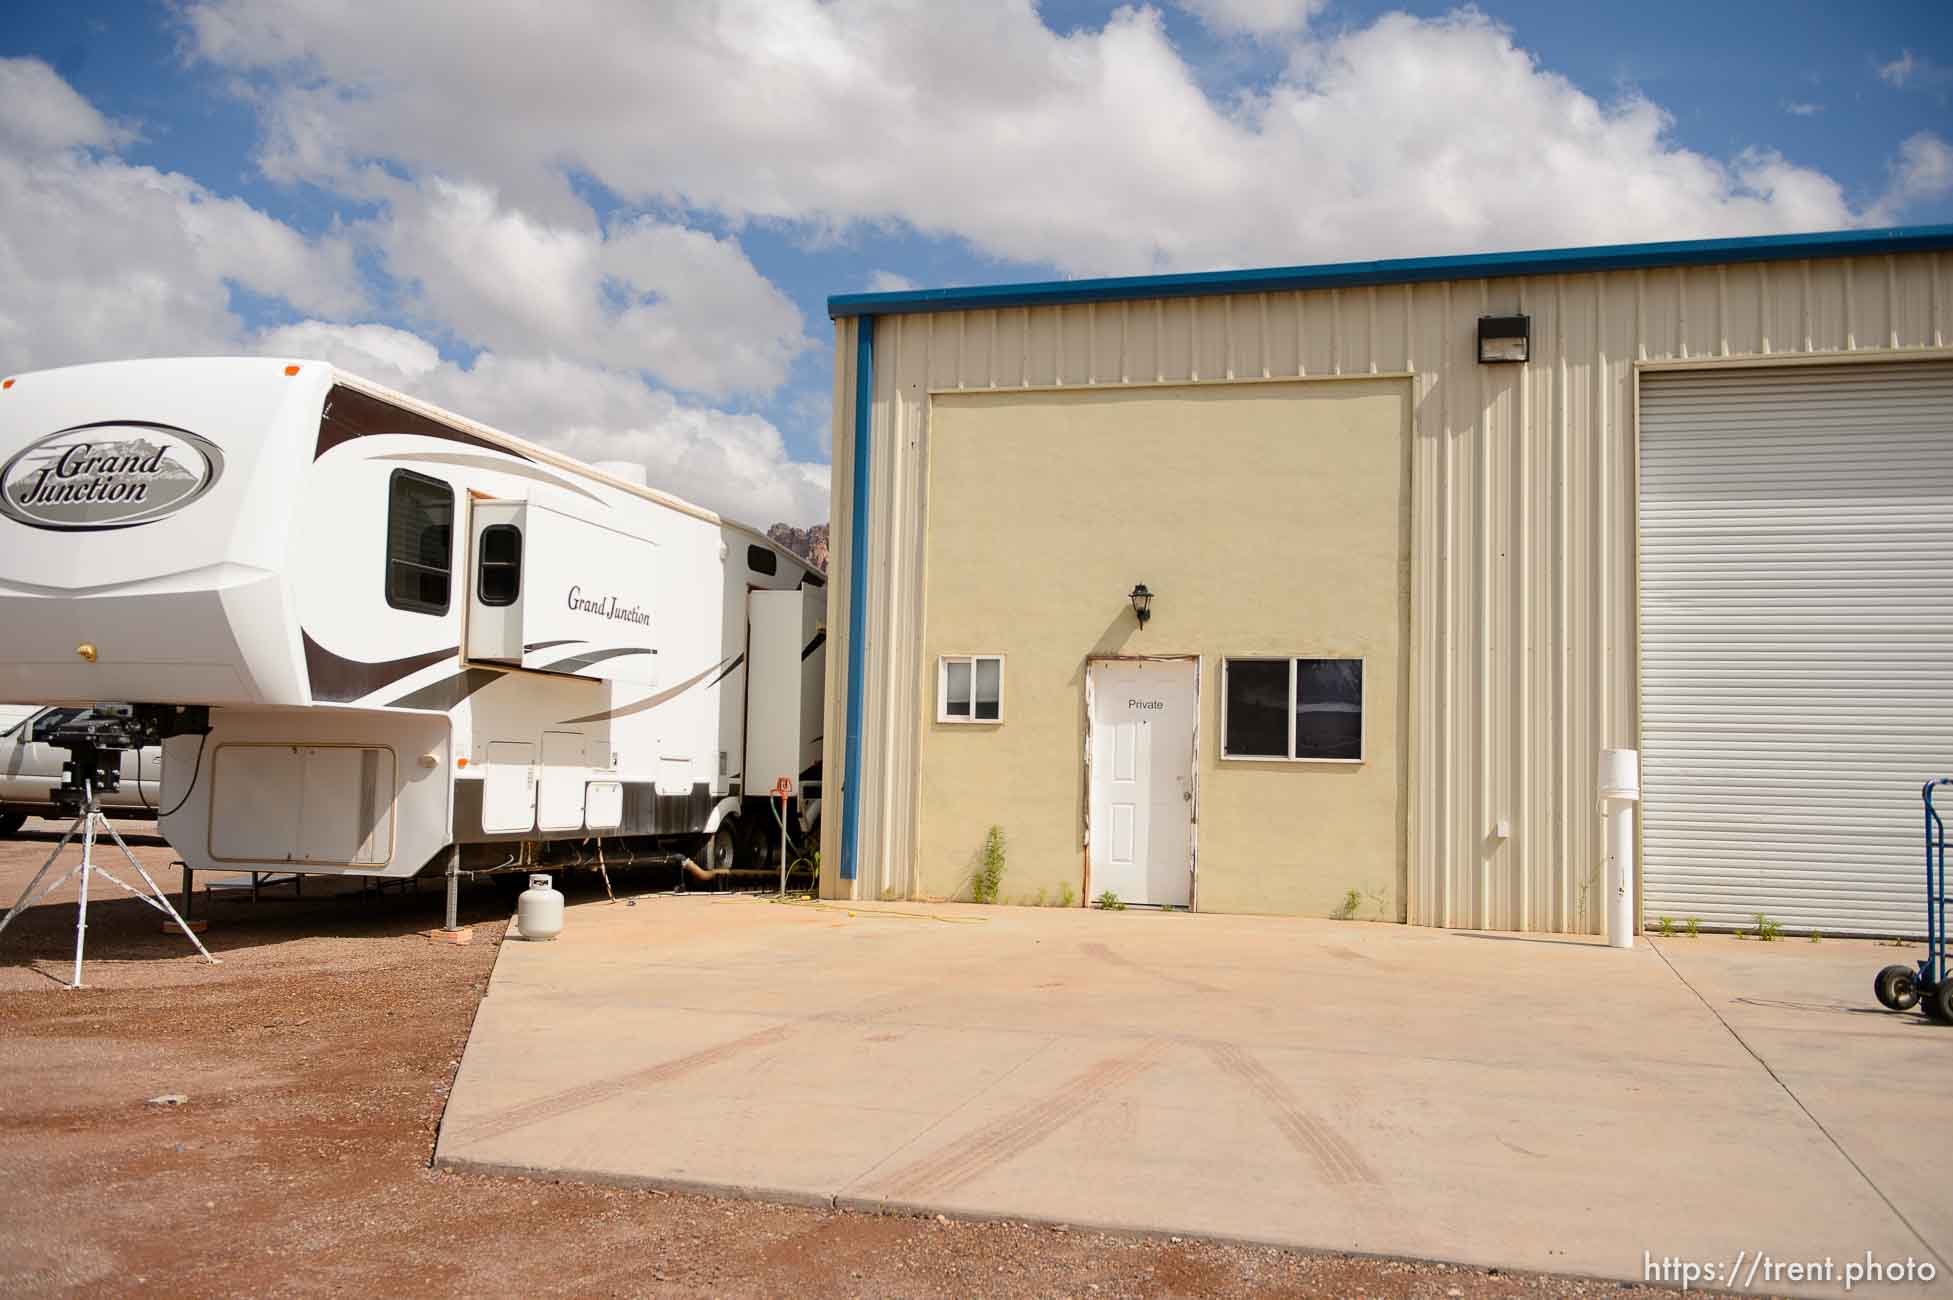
{"x":495,"y":588}
{"x":312,"y":805}
{"x":559,"y":807}
{"x":590,"y":598}
{"x":508,"y":797}
{"x":603,"y":808}
{"x":784,"y":686}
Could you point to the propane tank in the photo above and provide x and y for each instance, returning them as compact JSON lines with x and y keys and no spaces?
{"x":539,"y":912}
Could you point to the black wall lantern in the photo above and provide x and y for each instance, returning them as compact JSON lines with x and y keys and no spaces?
{"x":1504,"y":338}
{"x":1142,"y":603}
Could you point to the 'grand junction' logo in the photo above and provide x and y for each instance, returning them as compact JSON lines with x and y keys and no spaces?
{"x":107,"y":475}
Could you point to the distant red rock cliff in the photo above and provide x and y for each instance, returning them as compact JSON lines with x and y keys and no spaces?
{"x":810,"y":544}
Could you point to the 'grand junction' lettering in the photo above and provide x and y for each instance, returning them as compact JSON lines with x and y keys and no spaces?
{"x":607,"y":607}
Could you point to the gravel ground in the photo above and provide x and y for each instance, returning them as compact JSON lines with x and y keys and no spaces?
{"x":316,"y":1061}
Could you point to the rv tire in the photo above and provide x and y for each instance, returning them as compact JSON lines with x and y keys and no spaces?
{"x":719,"y":850}
{"x":10,"y":824}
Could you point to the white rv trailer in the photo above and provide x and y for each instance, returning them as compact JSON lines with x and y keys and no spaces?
{"x":420,"y":642}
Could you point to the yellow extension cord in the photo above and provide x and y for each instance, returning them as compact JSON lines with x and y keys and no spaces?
{"x":879,"y":911}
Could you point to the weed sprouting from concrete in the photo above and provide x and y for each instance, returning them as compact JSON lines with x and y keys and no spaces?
{"x":1109,"y":902}
{"x":990,"y":867}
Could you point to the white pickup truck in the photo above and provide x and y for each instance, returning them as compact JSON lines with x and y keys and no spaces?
{"x":30,"y":769}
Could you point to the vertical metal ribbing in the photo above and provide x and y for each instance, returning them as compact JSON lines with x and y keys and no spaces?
{"x":1227,"y":336}
{"x":1681,"y":313}
{"x":1522,"y":659}
{"x":1335,"y":331}
{"x":1938,"y":323}
{"x":1125,"y":342}
{"x":1762,"y":307}
{"x":1891,"y":302}
{"x":1722,"y":311}
{"x":864,"y":391}
{"x":1301,"y":335}
{"x":1850,"y":310}
{"x":1804,"y":268}
{"x":1482,"y":652}
{"x":1446,"y":630}
{"x":1371,"y":343}
{"x":1265,"y":337}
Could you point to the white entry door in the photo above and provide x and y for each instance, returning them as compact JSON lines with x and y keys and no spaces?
{"x":1142,"y":832}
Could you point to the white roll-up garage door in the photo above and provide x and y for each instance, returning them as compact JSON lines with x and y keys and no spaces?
{"x":1796,"y":537}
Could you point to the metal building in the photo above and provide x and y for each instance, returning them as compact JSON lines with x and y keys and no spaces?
{"x":1421,"y":537}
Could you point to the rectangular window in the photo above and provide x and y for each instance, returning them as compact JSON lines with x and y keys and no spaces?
{"x":420,"y":542}
{"x":761,"y":560}
{"x":1292,"y":709}
{"x":970,"y":688}
{"x":499,"y":581}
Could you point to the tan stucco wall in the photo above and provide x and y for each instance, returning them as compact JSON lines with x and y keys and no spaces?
{"x":1270,"y":518}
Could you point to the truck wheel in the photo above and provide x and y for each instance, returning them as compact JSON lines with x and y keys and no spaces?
{"x":720,"y":851}
{"x":10,"y":824}
{"x":1895,"y":990}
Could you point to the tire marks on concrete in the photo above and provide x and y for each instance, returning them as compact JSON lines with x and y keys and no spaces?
{"x":586,"y":1095}
{"x":1011,"y":1135}
{"x":1106,"y":954}
{"x":1334,"y":1158}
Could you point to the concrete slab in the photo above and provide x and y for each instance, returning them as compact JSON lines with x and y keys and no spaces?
{"x":1506,"y":1100}
{"x":1868,"y":1076}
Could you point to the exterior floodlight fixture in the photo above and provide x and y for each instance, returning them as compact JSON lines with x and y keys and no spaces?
{"x":1504,"y":338}
{"x":1142,"y":603}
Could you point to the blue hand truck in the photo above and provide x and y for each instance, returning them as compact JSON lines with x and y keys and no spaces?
{"x":1927,"y":985}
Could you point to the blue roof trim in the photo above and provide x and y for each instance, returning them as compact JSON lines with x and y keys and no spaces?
{"x":1409,"y":270}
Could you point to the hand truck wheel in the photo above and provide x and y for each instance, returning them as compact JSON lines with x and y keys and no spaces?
{"x":1895,"y":988}
{"x":1938,"y":1004}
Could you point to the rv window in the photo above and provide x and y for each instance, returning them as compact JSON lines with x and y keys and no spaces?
{"x":499,"y":581}
{"x":970,"y":688}
{"x":761,"y":560}
{"x":420,"y":517}
{"x":1292,"y":709}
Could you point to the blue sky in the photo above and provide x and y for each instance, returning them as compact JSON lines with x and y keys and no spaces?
{"x":613,"y":227}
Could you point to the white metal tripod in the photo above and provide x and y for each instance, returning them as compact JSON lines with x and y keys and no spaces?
{"x":91,"y":813}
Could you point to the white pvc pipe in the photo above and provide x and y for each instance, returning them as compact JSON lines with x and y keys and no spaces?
{"x":1620,"y":791}
{"x":1620,"y":873}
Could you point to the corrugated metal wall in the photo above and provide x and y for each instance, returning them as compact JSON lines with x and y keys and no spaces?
{"x":1523,"y":596}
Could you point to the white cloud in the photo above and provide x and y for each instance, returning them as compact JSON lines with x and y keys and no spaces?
{"x":1259,"y":18}
{"x":681,"y":304}
{"x":102,"y":259}
{"x":1798,"y":108}
{"x":1923,"y":170}
{"x":882,"y":281}
{"x":394,"y":357}
{"x":736,"y":464}
{"x":1915,"y":71}
{"x":44,"y":114}
{"x":1093,"y":150}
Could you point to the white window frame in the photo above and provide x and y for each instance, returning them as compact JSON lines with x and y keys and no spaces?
{"x":942,"y":690}
{"x":1363,"y":726}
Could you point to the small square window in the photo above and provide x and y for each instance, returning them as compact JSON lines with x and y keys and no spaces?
{"x":970,"y":688}
{"x":1292,"y":709}
{"x":499,"y":580}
